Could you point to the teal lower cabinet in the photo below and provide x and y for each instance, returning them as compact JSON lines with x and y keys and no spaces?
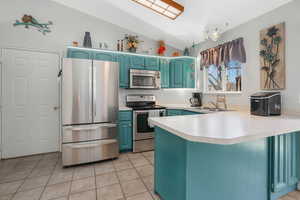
{"x":284,"y":159}
{"x":125,"y":135}
{"x":125,"y":130}
{"x":187,"y":170}
{"x":186,"y":112}
{"x":174,"y":112}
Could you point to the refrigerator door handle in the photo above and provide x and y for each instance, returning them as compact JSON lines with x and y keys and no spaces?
{"x":106,"y":125}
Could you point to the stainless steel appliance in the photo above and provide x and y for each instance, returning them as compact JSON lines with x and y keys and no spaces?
{"x":143,"y":107}
{"x":144,"y":79}
{"x":266,"y":103}
{"x":196,"y":100}
{"x":89,"y":110}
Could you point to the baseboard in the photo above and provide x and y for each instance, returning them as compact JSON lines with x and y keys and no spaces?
{"x":276,"y":196}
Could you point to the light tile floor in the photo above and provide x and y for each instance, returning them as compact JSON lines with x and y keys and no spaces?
{"x":41,"y":177}
{"x":130,"y":177}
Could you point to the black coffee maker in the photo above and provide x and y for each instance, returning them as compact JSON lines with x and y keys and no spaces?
{"x":196,"y":100}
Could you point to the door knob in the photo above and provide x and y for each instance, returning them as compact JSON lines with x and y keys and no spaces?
{"x":55,"y":107}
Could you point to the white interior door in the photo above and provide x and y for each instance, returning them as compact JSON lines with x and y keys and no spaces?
{"x":30,"y":122}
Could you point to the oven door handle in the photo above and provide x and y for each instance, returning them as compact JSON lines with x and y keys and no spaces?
{"x":141,"y":111}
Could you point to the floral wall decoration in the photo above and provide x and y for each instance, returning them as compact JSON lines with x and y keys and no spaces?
{"x":272,"y":58}
{"x":29,"y":21}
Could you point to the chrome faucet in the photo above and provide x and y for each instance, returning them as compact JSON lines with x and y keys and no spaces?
{"x":220,"y":99}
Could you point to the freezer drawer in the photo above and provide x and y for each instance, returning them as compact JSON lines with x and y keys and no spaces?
{"x":89,"y":132}
{"x":85,"y":152}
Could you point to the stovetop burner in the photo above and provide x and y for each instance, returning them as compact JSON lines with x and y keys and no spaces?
{"x":155,"y":107}
{"x":142,"y":102}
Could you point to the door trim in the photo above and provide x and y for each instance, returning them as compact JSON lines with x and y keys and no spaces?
{"x":59,"y":67}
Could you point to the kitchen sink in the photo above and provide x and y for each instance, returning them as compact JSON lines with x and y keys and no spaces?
{"x":216,"y":109}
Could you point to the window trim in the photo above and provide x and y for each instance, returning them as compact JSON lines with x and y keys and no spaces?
{"x":205,"y":84}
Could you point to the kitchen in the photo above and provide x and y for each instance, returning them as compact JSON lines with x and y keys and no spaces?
{"x":31,"y":102}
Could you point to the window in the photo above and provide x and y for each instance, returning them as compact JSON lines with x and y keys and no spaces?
{"x":223,"y":79}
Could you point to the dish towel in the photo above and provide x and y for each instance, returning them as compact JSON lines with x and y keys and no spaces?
{"x":153,"y":113}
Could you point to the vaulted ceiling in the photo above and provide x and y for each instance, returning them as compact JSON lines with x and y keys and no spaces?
{"x":187,"y":28}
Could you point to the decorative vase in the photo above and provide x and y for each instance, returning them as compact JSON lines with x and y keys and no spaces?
{"x":87,"y":42}
{"x":132,"y":50}
{"x":186,"y":52}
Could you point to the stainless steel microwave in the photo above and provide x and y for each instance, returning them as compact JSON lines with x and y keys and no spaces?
{"x":144,"y":79}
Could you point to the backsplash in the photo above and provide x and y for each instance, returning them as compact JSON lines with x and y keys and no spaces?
{"x":163,"y":96}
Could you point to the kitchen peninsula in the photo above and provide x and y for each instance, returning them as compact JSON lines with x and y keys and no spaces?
{"x":226,"y":155}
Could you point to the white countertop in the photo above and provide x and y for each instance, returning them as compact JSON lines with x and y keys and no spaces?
{"x":227,"y":127}
{"x":170,"y":106}
{"x":124,"y":108}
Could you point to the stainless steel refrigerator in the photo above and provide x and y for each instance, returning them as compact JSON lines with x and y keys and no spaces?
{"x":89,"y":110}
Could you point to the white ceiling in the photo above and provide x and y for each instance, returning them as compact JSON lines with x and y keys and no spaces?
{"x":189,"y":27}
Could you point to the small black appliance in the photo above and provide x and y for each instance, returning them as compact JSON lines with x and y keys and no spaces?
{"x":196,"y":100}
{"x":266,"y":103}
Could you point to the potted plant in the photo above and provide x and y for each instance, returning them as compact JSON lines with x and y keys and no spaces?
{"x":132,"y":42}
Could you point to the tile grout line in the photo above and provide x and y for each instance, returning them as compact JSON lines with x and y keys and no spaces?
{"x":140,"y":175}
{"x":27,"y":177}
{"x":72,"y":179}
{"x":95,"y":182}
{"x":41,"y":195}
{"x":119,"y":180}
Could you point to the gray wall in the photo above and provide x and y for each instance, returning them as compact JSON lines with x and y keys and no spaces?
{"x":69,"y":25}
{"x":289,"y":14}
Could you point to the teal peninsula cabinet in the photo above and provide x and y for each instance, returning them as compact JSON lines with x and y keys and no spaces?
{"x":125,"y":130}
{"x":176,"y":72}
{"x":230,"y":156}
{"x":176,"y":112}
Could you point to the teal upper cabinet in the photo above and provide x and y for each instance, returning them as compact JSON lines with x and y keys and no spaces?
{"x":80,"y":54}
{"x":176,"y":73}
{"x":105,"y":56}
{"x":124,"y":65}
{"x":189,"y":73}
{"x":164,"y":72}
{"x":182,"y":73}
{"x":152,"y":64}
{"x":138,"y":62}
{"x":145,"y":63}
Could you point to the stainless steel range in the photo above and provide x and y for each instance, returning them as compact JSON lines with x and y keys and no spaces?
{"x":143,"y":106}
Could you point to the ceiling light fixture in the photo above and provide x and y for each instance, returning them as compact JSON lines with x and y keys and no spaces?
{"x":215,"y":33}
{"x":167,"y":8}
